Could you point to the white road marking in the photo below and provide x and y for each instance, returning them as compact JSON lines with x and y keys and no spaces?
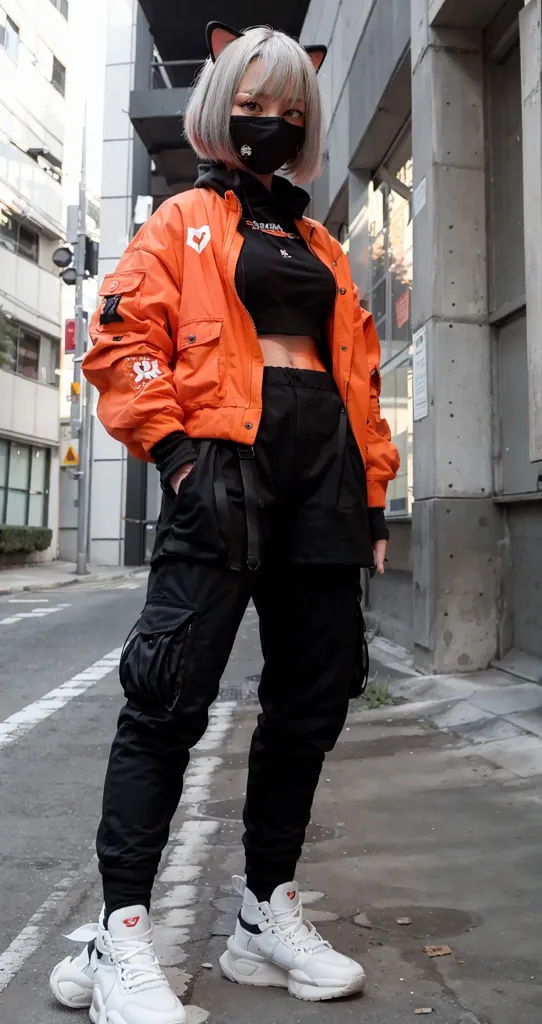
{"x":28,"y":600}
{"x":189,"y":849}
{"x":175,"y":913}
{"x":34,"y":934}
{"x":129,"y":586}
{"x":22,"y":721}
{"x":36,"y":613}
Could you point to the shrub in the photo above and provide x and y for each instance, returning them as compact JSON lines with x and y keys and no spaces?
{"x":24,"y":540}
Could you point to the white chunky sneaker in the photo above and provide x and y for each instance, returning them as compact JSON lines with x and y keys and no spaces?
{"x":274,"y":946}
{"x":129,"y":984}
{"x":72,"y":980}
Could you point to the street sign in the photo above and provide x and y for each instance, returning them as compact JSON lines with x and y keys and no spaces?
{"x":71,"y":457}
{"x":69,"y":336}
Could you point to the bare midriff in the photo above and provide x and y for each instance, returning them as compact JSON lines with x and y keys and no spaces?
{"x":291,"y":350}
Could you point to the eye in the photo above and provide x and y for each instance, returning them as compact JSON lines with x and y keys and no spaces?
{"x":294,"y":115}
{"x":251,"y":106}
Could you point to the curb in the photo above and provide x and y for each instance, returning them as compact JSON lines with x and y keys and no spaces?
{"x":77,"y":580}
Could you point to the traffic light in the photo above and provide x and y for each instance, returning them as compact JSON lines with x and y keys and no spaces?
{"x":64,"y":257}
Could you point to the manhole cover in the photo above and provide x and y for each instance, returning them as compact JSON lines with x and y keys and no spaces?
{"x":232,"y":810}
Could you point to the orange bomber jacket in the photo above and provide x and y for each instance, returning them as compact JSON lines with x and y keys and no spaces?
{"x":175,"y":349}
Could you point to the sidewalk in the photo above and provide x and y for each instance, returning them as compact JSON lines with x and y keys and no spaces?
{"x":426,"y":832}
{"x":50,"y":575}
{"x":492,"y":708}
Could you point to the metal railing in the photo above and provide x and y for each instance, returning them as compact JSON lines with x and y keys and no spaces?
{"x":174,"y":73}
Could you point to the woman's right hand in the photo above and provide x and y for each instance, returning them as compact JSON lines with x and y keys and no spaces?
{"x":180,"y":475}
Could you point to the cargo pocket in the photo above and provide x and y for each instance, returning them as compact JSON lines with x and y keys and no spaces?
{"x":199,"y":372}
{"x":361,"y":668}
{"x":154,"y":659}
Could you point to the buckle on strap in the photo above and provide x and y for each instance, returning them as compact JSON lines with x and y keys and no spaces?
{"x":245,"y":451}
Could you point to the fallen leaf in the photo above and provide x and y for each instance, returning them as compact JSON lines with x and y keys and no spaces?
{"x":424,"y":1009}
{"x":437,"y":950}
{"x":403,"y":920}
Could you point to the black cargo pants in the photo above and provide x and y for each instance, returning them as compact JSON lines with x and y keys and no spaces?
{"x":313,"y":538}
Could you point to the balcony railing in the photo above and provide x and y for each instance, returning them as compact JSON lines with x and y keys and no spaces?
{"x":174,"y":74}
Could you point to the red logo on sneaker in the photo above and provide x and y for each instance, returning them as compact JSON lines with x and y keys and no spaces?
{"x":131,"y":922}
{"x":292,"y":895}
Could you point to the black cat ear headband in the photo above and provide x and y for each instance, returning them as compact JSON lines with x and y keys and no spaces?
{"x":220,"y":35}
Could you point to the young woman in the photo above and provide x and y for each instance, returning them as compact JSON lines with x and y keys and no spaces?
{"x":230,"y":349}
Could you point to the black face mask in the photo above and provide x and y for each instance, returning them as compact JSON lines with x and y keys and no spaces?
{"x":265,"y":143}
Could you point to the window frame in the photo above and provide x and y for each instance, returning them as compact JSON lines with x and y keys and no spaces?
{"x":58,"y":83}
{"x":15,"y":33}
{"x":42,"y":340}
{"x":15,"y":246}
{"x":62,"y":7}
{"x":27,"y":491}
{"x":396,"y":351}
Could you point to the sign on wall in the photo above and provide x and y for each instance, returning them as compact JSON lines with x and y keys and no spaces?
{"x":419,"y":375}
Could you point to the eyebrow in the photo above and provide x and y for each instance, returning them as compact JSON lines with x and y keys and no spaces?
{"x":265,"y":96}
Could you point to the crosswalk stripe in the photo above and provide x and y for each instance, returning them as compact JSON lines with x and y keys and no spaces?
{"x":22,"y":721}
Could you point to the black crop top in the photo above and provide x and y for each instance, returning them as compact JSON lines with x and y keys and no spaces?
{"x":284,"y":286}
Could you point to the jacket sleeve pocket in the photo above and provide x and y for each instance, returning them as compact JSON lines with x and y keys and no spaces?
{"x":120,"y":296}
{"x":154,"y":658}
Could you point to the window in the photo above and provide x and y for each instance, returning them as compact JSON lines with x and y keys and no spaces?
{"x":17,"y":236}
{"x":9,"y":35}
{"x":24,"y":484}
{"x":28,"y":355}
{"x":49,"y":361}
{"x":24,"y":352}
{"x":390,"y":246}
{"x":59,"y":76}
{"x":62,"y":6}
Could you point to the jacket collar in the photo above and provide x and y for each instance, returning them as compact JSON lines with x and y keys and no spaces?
{"x":288,"y":197}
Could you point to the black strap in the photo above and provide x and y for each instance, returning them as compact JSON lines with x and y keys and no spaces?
{"x":342,"y":430}
{"x":224,"y":513}
{"x":248,"y":476}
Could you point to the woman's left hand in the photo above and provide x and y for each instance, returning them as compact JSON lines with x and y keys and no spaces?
{"x":380,"y":549}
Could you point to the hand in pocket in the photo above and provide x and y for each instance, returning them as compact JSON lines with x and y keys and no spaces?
{"x":180,"y":475}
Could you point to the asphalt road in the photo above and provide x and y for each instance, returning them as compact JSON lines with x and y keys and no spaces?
{"x":409,"y":821}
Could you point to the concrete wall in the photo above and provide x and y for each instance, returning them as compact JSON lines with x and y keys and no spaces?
{"x":364,"y":103}
{"x":455,"y":65}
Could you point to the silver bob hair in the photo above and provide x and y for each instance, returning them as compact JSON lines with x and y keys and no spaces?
{"x":287,"y":71}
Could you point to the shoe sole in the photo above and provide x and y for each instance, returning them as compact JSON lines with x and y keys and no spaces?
{"x":79,"y":999}
{"x":249,"y":969}
{"x":99,"y":1015}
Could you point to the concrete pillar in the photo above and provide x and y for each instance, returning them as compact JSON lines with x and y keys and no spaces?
{"x":531,"y":85}
{"x":455,"y":525}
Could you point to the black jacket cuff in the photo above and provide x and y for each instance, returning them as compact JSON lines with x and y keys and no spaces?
{"x":171,"y":453}
{"x":378,"y":527}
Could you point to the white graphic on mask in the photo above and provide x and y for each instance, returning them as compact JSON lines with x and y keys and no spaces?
{"x":198,"y":238}
{"x":285,"y":255}
{"x":146,"y":369}
{"x":246,"y":150}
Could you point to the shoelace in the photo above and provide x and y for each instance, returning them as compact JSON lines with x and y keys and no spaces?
{"x":137,"y":975}
{"x":300,"y":932}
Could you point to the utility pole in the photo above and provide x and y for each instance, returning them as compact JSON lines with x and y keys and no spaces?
{"x":80,"y":409}
{"x":77,"y":261}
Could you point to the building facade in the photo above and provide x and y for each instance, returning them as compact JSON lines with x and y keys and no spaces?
{"x":33,"y":58}
{"x":432,"y":181}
